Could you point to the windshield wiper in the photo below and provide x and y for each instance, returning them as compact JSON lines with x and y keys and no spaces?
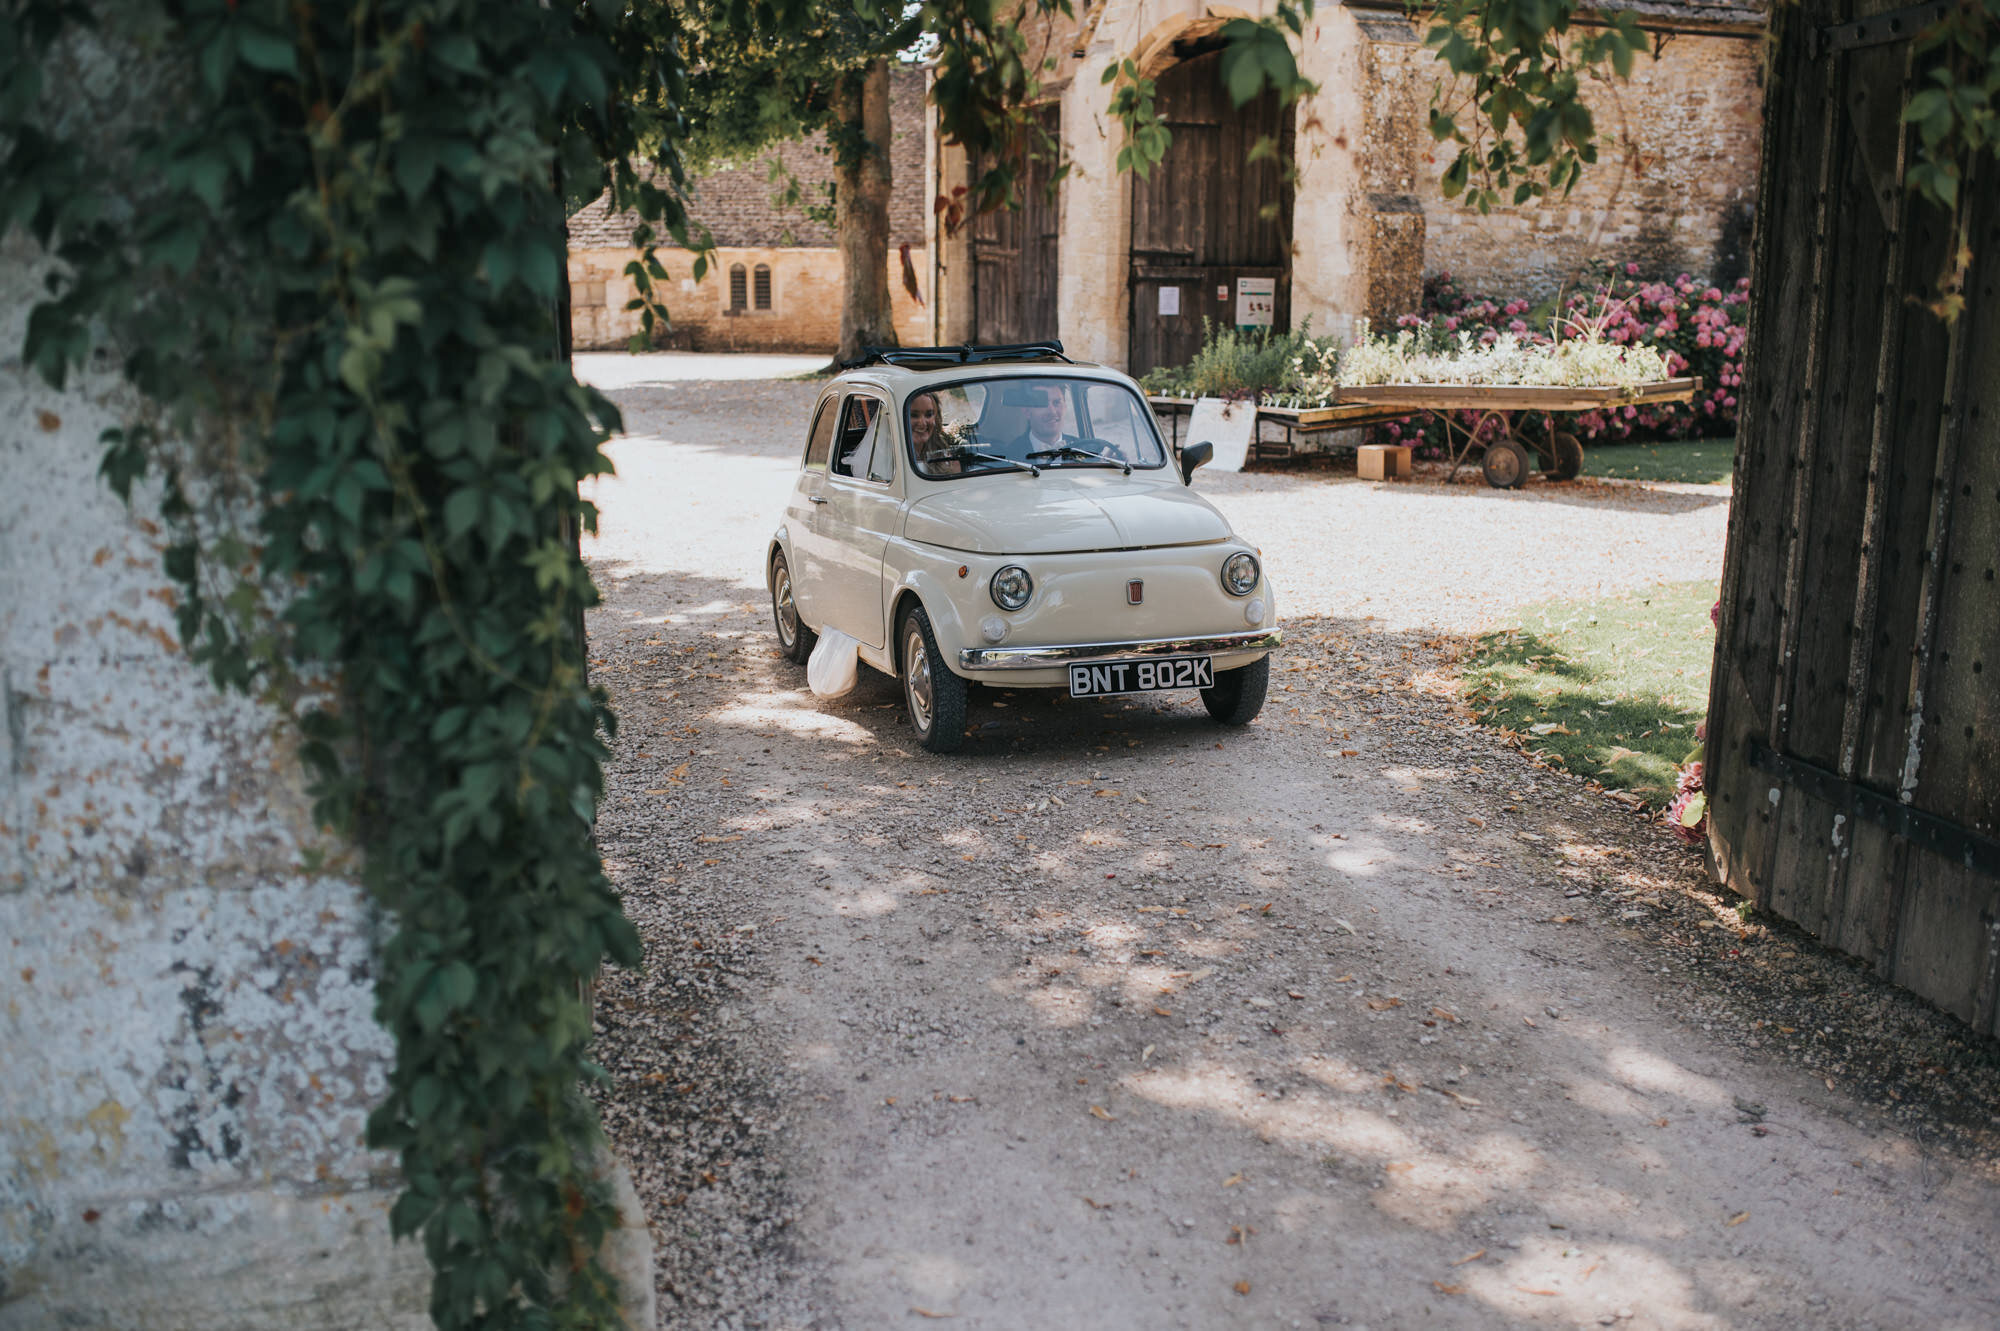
{"x":1072,"y":451}
{"x":1012,"y":464}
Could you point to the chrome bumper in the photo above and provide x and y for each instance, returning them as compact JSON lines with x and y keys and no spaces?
{"x":1045,"y":658}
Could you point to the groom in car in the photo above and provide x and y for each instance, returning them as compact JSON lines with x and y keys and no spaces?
{"x":1043,"y":409}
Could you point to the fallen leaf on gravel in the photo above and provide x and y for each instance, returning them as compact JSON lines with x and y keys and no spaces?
{"x":1343,"y":979}
{"x":1470,"y":1257}
{"x":1096,"y":1205}
{"x":1659,"y":1123}
{"x":889,"y":1101}
{"x":1448,"y":1289}
{"x":1147,"y":1052}
{"x":659,"y":790}
{"x":1737,"y":1219}
{"x":1407,"y":1087}
{"x":1293,"y":993}
{"x":926,"y":1312}
{"x":678,"y":774}
{"x":1384,"y":1004}
{"x":1232,"y":1180}
{"x":719,"y":838}
{"x":816,"y":961}
{"x":1443,"y":1014}
{"x":1162,"y":1012}
{"x":1829,"y":1082}
{"x":1345,"y":925}
{"x":1529,"y":1022}
{"x":1106,"y":794}
{"x":958,"y":1099}
{"x":1562,"y":919}
{"x":1099,"y":1111}
{"x":1241,"y":1287}
{"x":1349,"y":753}
{"x":1465,"y":1100}
{"x":1399,"y":1166}
{"x":1545,"y":1293}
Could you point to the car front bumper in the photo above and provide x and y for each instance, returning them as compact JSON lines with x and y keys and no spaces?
{"x":1058,"y":657}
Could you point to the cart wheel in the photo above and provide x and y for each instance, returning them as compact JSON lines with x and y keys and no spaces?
{"x":1568,"y":457}
{"x":1505,"y":465}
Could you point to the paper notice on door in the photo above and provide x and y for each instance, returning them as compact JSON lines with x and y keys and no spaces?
{"x":1170,"y":301}
{"x":1230,"y":426}
{"x":1256,"y":301}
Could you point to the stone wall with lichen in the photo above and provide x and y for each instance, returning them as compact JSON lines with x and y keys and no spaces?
{"x":186,"y":1031}
{"x":1673,"y":190}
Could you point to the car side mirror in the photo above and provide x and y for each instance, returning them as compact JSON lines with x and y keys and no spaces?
{"x":1195,"y":455}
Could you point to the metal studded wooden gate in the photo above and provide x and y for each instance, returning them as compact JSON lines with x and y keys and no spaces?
{"x":1854,"y":750}
{"x":1015,"y":257}
{"x":1207,"y":216}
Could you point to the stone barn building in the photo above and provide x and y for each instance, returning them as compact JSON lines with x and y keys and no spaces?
{"x":777,"y":283}
{"x":1124,"y":269}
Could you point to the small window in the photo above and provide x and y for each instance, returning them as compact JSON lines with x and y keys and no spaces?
{"x":820,"y":447}
{"x":857,"y":437}
{"x":763,"y":286}
{"x":738,"y":287}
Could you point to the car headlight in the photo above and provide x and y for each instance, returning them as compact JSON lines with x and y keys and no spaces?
{"x":1240,"y":573}
{"x":1011,"y":587}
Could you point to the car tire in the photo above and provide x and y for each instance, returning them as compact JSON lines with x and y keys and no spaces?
{"x":1238,"y":694}
{"x":934,"y":697}
{"x":795,"y":640}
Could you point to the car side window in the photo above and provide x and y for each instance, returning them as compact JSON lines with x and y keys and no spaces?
{"x":820,"y":446}
{"x":859,"y":428}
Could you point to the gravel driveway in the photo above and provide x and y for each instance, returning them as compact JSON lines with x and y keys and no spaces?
{"x":1354,"y":1018}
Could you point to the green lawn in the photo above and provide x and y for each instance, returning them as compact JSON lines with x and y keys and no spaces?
{"x":1696,"y":461}
{"x":1613,"y":689}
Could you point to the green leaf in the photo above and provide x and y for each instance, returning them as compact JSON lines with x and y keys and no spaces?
{"x":267,"y":51}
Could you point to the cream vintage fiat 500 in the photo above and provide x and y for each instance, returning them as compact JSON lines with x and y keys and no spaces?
{"x":1004,"y":516}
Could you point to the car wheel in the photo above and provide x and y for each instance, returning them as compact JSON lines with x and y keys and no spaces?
{"x":1505,"y":464}
{"x":795,"y":640}
{"x":934,"y":695}
{"x":1238,"y":694}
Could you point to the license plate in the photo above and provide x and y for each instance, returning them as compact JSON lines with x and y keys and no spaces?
{"x":1109,"y":677}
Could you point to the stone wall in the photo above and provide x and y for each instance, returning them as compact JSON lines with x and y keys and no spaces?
{"x":187,"y":1036}
{"x":188,"y":1052}
{"x":1674,"y":189}
{"x":805,"y":300}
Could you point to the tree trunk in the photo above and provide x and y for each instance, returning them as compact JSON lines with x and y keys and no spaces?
{"x":862,"y":212}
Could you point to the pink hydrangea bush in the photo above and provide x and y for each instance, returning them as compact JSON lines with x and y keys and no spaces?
{"x":1696,"y":326}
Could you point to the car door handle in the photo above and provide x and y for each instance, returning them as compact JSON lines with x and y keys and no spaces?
{"x":817,"y":499}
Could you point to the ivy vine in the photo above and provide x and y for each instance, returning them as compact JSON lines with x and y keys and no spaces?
{"x":326,"y":246}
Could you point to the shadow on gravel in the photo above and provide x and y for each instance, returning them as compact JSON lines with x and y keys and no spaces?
{"x":730,"y":777}
{"x":1469,"y":488}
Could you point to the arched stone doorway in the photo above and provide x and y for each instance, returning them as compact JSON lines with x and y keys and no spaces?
{"x":1207,"y":217}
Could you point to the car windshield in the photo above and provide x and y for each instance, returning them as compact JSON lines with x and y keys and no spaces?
{"x":980,"y":426}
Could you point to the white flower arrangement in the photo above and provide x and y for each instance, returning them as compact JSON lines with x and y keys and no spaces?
{"x":1588,"y":361}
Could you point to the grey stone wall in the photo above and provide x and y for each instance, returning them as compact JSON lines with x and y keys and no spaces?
{"x":187,"y":1036}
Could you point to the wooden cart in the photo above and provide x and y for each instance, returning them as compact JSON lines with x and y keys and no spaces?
{"x":1504,"y":460}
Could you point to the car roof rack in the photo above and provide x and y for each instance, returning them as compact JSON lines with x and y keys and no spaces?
{"x":931,"y":357}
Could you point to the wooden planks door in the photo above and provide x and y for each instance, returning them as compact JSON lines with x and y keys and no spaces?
{"x":1015,"y":257}
{"x":1199,"y":221}
{"x":1853,"y":760}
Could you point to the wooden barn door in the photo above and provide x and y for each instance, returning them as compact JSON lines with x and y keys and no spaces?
{"x":1854,"y":752}
{"x":1015,"y":258}
{"x":1197,"y":221}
